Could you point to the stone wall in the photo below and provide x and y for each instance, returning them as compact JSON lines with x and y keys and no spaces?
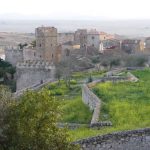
{"x":126,"y":140}
{"x":65,"y":37}
{"x":90,"y":99}
{"x":33,"y":73}
{"x":13,"y":55}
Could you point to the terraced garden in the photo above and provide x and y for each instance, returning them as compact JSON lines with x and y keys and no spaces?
{"x":126,"y":104}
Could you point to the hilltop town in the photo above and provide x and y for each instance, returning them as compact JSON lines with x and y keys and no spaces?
{"x":101,"y":81}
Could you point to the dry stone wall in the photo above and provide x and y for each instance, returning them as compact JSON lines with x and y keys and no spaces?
{"x":127,"y":140}
{"x":90,"y":99}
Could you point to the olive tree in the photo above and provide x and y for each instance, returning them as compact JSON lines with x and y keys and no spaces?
{"x":32,"y":124}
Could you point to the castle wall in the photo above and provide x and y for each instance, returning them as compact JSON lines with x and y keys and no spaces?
{"x":33,"y":73}
{"x":29,"y":54}
{"x":13,"y":55}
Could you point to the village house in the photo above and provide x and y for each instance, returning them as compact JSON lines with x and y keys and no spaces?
{"x":93,"y":39}
{"x":132,"y":45}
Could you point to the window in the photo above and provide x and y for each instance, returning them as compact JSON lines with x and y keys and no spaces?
{"x":93,"y":37}
{"x":51,"y":45}
{"x":34,"y":53}
{"x":52,"y":55}
{"x":40,"y":45}
{"x":67,"y":52}
{"x":93,"y":45}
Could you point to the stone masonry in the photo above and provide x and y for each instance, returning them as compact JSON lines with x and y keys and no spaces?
{"x":33,"y":72}
{"x":126,"y":140}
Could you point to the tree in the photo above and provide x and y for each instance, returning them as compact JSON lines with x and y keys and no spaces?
{"x":5,"y":102}
{"x":33,"y":43}
{"x":32,"y":124}
{"x":58,"y":73}
{"x":21,"y":46}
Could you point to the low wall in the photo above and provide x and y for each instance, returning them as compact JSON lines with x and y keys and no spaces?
{"x":90,"y":99}
{"x":127,"y":140}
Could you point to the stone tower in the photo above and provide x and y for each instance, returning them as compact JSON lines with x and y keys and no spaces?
{"x":46,"y":43}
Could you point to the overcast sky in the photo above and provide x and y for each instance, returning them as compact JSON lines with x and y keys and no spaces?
{"x":75,"y":9}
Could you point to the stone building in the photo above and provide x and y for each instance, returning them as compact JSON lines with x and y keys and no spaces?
{"x":29,"y":53}
{"x":80,"y":37}
{"x":111,"y":44}
{"x":13,"y":55}
{"x":65,"y":37}
{"x":105,"y":36}
{"x":46,"y":43}
{"x":132,"y":45}
{"x":93,"y":39}
{"x":68,"y":48}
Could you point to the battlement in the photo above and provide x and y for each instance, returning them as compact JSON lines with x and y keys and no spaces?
{"x":35,"y":64}
{"x":46,"y":32}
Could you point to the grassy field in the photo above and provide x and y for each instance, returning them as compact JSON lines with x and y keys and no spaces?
{"x":126,"y":104}
{"x":73,"y":109}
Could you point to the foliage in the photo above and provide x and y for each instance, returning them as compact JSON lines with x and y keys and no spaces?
{"x":31,"y":124}
{"x":136,"y":60}
{"x":33,"y":43}
{"x":21,"y":46}
{"x":90,"y":79}
{"x":114,"y":62}
{"x":74,"y":111}
{"x":5,"y":101}
{"x":125,"y":104}
{"x":7,"y":72}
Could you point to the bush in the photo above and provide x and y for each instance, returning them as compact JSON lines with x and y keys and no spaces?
{"x":90,"y":79}
{"x":31,"y":124}
{"x":73,"y":82}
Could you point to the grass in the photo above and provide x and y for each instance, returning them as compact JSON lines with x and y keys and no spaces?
{"x":126,"y":104}
{"x":85,"y":75}
{"x":73,"y":109}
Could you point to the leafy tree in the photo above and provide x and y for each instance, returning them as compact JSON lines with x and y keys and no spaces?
{"x":58,"y":73}
{"x":90,"y":79}
{"x":21,"y":46}
{"x":33,"y":43}
{"x":5,"y":102}
{"x":32,"y":124}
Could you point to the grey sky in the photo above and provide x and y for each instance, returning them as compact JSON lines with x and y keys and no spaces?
{"x":74,"y":9}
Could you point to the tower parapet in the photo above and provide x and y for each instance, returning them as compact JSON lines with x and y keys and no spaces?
{"x":13,"y":55}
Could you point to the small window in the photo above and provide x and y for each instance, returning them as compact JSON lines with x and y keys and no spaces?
{"x":52,"y":55}
{"x":51,"y":45}
{"x":40,"y":56}
{"x":93,"y":37}
{"x":93,"y":45}
{"x":34,"y":53}
{"x":67,"y":52}
{"x":40,"y":45}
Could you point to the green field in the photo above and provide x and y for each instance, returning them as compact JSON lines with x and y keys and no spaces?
{"x":126,"y":104}
{"x":73,"y":109}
